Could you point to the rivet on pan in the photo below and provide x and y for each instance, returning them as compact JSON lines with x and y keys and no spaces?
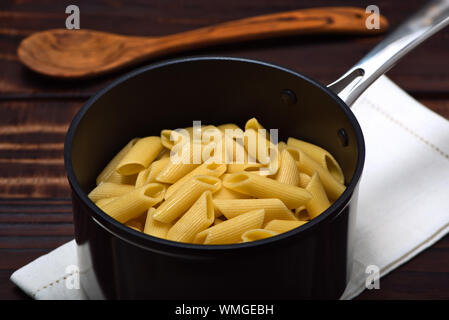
{"x":343,"y":137}
{"x":288,"y":97}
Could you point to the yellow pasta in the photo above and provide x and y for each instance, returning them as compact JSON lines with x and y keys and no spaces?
{"x":179,"y":202}
{"x":254,"y":124}
{"x":304,"y":180}
{"x":274,"y":208}
{"x":230,"y":231}
{"x":319,"y":201}
{"x":281,"y":226}
{"x":135,"y":224}
{"x":320,"y":155}
{"x":109,"y":190}
{"x":132,"y":204}
{"x":149,"y":174}
{"x":228,"y":126}
{"x":263,"y":187}
{"x":225,"y":193}
{"x":288,"y":172}
{"x":100,"y":203}
{"x":209,"y":184}
{"x":118,"y":178}
{"x":199,"y":217}
{"x":155,"y":228}
{"x":306,"y":164}
{"x":257,"y":234}
{"x":140,"y":156}
{"x":206,"y":169}
{"x":112,"y":165}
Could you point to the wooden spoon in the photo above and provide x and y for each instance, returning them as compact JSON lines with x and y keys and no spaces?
{"x":86,"y":53}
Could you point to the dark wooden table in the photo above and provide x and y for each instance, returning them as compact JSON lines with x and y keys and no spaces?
{"x":35,"y":212}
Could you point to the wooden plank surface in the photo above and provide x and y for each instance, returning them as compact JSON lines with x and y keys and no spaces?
{"x":35,"y":111}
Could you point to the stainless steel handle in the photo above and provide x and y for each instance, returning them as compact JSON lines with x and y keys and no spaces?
{"x":426,"y":22}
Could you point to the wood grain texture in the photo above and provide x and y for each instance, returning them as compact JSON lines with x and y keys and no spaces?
{"x":84,"y":53}
{"x":35,"y":111}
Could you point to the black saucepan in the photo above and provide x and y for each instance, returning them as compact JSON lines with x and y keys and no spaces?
{"x":312,"y":261}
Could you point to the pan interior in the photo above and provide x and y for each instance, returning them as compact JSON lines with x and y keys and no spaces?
{"x":213,"y":91}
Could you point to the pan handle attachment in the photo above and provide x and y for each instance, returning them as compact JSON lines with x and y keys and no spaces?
{"x":426,"y":22}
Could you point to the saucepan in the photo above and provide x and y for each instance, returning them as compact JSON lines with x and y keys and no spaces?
{"x":312,"y":261}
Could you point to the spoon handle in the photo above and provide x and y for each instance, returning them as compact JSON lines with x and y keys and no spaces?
{"x":327,"y":20}
{"x":421,"y":26}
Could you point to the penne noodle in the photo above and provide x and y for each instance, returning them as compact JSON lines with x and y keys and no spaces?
{"x":116,"y":177}
{"x":281,"y":226}
{"x":301,"y":214}
{"x":225,"y":193}
{"x":218,"y":221}
{"x":206,"y":169}
{"x":103,"y":201}
{"x":112,"y":165}
{"x":257,"y":234}
{"x":140,"y":156}
{"x":274,"y":208}
{"x":254,"y":124}
{"x":170,"y":138}
{"x":135,"y":224}
{"x":306,"y":164}
{"x":319,"y":201}
{"x":320,"y":155}
{"x":155,"y":228}
{"x":149,"y":174}
{"x":109,"y":190}
{"x":304,"y":180}
{"x":230,"y":231}
{"x":263,"y":187}
{"x":198,"y":218}
{"x":248,"y":167}
{"x":178,"y":168}
{"x":132,"y":204}
{"x":228,"y":126}
{"x":180,"y":201}
{"x":281,"y":146}
{"x":288,"y":172}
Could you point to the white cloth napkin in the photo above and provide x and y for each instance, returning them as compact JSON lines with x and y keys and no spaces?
{"x":403,"y":196}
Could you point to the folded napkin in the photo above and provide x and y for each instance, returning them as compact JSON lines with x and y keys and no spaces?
{"x":403,"y":196}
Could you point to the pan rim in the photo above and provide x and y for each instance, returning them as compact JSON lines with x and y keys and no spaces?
{"x":148,"y":242}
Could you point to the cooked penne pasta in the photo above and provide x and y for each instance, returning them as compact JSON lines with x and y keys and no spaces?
{"x":118,"y":178}
{"x":140,"y":156}
{"x":304,"y":180}
{"x":257,"y":234}
{"x":206,"y":169}
{"x":319,"y":201}
{"x":218,"y":221}
{"x":228,"y":126}
{"x":112,"y":165}
{"x":320,"y":155}
{"x":103,"y":201}
{"x":281,"y":226}
{"x":306,"y":164}
{"x":180,"y":201}
{"x":209,"y":184}
{"x":230,"y":231}
{"x":155,"y":228}
{"x":198,"y":218}
{"x":225,"y":193}
{"x":135,"y":224}
{"x":109,"y":190}
{"x":254,"y":124}
{"x":263,"y":187}
{"x":132,"y":204}
{"x":274,"y":208}
{"x":288,"y":172}
{"x":149,"y":174}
